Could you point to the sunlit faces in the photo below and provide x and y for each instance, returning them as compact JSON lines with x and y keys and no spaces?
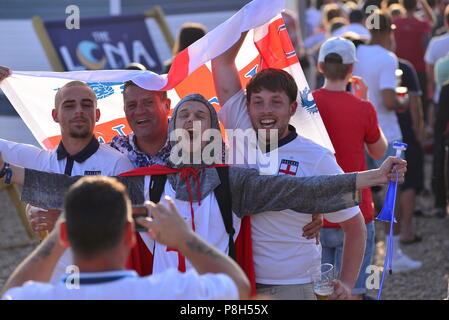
{"x":194,"y":118}
{"x":271,"y":110}
{"x":76,"y":111}
{"x":146,"y":112}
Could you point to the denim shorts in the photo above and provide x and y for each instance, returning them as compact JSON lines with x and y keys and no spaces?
{"x":332,"y":244}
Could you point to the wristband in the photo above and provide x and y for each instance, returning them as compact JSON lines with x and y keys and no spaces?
{"x":4,"y":169}
{"x":8,"y":175}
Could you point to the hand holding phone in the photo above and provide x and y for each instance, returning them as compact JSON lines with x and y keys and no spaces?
{"x":139,"y":212}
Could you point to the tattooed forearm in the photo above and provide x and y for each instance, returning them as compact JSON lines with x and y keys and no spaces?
{"x":44,"y":250}
{"x":197,"y":245}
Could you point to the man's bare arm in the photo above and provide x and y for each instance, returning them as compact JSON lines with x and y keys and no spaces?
{"x":225,"y":73}
{"x":416,"y":113}
{"x":377,"y":149}
{"x":390,"y":100}
{"x":353,"y":249}
{"x":39,"y":265}
{"x":167,"y":227}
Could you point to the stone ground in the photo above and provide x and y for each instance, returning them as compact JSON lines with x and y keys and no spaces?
{"x":428,"y":283}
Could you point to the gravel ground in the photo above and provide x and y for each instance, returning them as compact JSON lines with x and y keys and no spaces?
{"x":429,"y":283}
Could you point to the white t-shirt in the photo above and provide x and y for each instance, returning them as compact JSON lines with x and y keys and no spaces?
{"x":353,"y":27}
{"x":170,"y":285}
{"x":208,"y":224}
{"x":281,"y":254}
{"x":377,"y":67}
{"x":438,"y":48}
{"x":104,"y":161}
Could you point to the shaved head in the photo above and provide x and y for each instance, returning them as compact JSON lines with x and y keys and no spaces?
{"x":59,"y":94}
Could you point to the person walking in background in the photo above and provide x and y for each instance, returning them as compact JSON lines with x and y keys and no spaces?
{"x":377,"y":66}
{"x":411,"y":37}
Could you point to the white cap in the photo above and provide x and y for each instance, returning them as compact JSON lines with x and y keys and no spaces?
{"x":344,"y":48}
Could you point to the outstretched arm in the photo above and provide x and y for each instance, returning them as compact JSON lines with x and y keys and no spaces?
{"x":17,"y":172}
{"x":254,"y":193}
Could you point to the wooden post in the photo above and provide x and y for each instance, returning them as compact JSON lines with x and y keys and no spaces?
{"x":20,"y":207}
{"x":158,"y":14}
{"x":45,"y":40}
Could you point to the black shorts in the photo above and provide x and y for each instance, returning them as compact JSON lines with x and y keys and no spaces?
{"x":414,"y":177}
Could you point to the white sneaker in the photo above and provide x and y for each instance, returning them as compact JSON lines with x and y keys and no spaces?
{"x":401,"y":262}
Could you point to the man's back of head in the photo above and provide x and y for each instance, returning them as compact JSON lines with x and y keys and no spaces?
{"x":356,"y":16}
{"x":379,"y":23}
{"x":409,"y":5}
{"x":96,"y":212}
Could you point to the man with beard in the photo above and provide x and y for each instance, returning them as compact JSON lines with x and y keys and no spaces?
{"x":78,"y":153}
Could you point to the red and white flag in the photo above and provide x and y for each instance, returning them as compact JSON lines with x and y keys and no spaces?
{"x":266,"y":46}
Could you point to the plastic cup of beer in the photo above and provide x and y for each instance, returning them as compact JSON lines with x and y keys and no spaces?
{"x":322,"y":277}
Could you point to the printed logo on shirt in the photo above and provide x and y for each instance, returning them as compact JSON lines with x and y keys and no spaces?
{"x":92,"y":173}
{"x":288,"y":167}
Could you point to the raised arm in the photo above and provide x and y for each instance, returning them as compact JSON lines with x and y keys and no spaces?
{"x":225,"y":73}
{"x":430,"y":15}
{"x":254,"y":193}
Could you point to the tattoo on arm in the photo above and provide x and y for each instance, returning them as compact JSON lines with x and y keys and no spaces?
{"x":45,"y":250}
{"x":195,"y":245}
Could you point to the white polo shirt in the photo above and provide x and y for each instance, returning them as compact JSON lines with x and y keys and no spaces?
{"x":281,"y":254}
{"x":94,"y":159}
{"x":169,"y":285}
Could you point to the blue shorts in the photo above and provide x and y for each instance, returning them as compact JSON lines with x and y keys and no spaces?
{"x":332,"y":244}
